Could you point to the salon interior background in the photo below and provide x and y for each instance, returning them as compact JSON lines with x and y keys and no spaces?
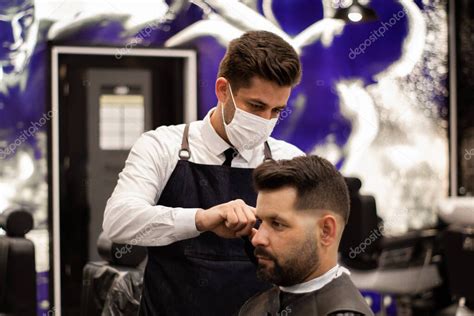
{"x":373,"y":97}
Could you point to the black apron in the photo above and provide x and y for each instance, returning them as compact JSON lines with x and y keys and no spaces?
{"x":205,"y":275}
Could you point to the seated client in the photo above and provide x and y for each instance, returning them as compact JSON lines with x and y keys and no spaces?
{"x":302,"y":207}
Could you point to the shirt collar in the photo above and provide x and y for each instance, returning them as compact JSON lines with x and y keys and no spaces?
{"x":215,"y":143}
{"x":316,"y":283}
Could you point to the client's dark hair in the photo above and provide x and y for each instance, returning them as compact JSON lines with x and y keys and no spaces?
{"x":318,"y":183}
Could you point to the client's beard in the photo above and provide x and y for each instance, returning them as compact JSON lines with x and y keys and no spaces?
{"x":294,"y":270}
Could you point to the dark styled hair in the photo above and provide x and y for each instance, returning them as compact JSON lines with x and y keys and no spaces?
{"x":262,"y":54}
{"x":318,"y":183}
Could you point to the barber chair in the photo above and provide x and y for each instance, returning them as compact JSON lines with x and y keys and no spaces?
{"x":402,"y":269}
{"x":362,"y":222}
{"x":458,"y":247}
{"x":17,"y":264}
{"x":113,"y":286}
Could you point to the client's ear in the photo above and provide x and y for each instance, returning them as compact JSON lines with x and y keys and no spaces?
{"x":328,"y":230}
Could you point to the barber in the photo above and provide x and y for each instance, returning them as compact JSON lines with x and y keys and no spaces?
{"x":186,"y":190}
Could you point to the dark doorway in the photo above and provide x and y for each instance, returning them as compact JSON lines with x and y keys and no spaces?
{"x":101,"y":104}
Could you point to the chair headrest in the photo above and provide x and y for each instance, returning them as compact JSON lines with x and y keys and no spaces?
{"x":16,"y":221}
{"x":353,"y":184}
{"x":457,"y":210}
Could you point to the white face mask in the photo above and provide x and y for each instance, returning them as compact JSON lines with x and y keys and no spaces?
{"x":247,"y":131}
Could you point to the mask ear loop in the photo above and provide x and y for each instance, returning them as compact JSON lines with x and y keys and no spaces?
{"x":232,"y":96}
{"x":233,"y":102}
{"x":223,"y":117}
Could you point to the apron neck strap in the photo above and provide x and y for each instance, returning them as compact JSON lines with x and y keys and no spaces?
{"x":185,"y":152}
{"x":267,"y":152}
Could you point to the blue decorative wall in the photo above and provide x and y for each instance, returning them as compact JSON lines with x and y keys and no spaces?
{"x":373,"y":97}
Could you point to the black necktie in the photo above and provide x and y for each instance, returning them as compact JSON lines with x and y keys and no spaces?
{"x":229,"y":153}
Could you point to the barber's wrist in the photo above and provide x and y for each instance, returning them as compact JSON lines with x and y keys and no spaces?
{"x":200,"y":220}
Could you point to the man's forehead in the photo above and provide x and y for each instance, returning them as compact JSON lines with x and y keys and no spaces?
{"x":12,"y":7}
{"x":274,"y":202}
{"x":257,"y":82}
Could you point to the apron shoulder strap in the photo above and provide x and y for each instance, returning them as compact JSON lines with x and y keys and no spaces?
{"x":185,"y":152}
{"x":267,"y":152}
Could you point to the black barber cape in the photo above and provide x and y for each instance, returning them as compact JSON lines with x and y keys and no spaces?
{"x":206,"y":275}
{"x":338,"y":297}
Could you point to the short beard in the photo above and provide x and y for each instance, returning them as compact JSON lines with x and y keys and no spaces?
{"x":296,"y":267}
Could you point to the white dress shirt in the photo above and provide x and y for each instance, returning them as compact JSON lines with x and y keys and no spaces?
{"x":132,"y":216}
{"x":316,"y":283}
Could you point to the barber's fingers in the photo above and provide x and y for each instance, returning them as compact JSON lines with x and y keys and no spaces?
{"x":248,"y":210}
{"x":231,"y":218}
{"x":237,"y":218}
{"x":238,"y":215}
{"x":249,"y":224}
{"x":251,"y":216}
{"x":253,"y":210}
{"x":240,"y":212}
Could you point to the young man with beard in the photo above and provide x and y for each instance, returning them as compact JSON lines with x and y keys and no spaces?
{"x":302,"y":206}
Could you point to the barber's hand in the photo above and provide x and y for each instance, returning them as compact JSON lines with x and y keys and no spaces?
{"x":229,"y":220}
